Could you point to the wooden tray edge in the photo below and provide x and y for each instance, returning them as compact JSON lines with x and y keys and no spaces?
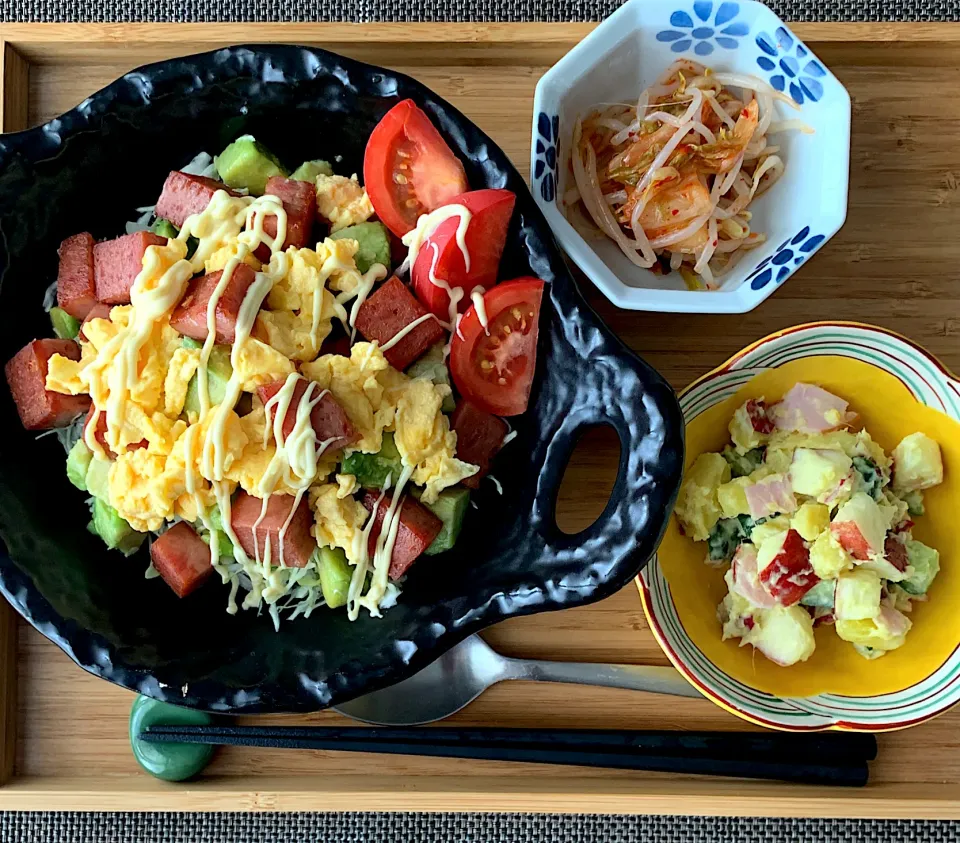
{"x":23,"y":44}
{"x":74,"y":42}
{"x":694,"y":796}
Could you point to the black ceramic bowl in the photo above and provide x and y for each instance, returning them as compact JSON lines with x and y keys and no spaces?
{"x":88,"y":170}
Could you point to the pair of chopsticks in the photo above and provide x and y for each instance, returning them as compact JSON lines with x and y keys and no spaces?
{"x":824,"y":759}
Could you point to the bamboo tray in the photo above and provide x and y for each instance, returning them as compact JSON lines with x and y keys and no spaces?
{"x":896,"y":263}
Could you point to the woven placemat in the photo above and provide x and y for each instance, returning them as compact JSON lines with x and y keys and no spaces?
{"x":452,"y":828}
{"x":438,"y":10}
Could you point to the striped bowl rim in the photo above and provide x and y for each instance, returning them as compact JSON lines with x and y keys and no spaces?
{"x":932,"y":384}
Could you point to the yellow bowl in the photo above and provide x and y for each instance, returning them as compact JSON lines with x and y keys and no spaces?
{"x":897,"y":389}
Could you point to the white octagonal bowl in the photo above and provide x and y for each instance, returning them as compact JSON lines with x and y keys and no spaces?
{"x":624,"y":55}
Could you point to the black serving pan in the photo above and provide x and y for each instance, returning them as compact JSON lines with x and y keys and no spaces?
{"x":88,"y":170}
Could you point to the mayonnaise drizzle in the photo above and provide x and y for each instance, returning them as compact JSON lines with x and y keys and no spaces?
{"x":383,"y":552}
{"x":377,"y":272}
{"x":427,"y":224}
{"x":406,"y":329}
{"x":158,"y":287}
{"x":414,"y":240}
{"x":476,"y":296}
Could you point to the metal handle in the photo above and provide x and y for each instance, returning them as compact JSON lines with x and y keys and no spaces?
{"x":630,"y":677}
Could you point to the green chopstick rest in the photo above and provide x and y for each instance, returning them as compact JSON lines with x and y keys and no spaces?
{"x":172,"y":762}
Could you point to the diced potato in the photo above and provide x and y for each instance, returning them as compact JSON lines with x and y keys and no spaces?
{"x":732,"y":497}
{"x":732,"y":610}
{"x":778,"y":460}
{"x":762,"y":532}
{"x":917,"y":463}
{"x":893,"y":509}
{"x":783,"y":634}
{"x":816,"y":472}
{"x":858,"y":595}
{"x":835,"y":440}
{"x":876,"y":633}
{"x":811,"y":520}
{"x":828,"y":558}
{"x":744,"y":437}
{"x":697,"y":505}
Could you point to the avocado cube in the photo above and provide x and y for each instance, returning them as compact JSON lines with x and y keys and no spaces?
{"x":432,"y":367}
{"x":335,"y":576}
{"x":219,"y":371}
{"x":372,"y":470}
{"x":116,"y":533}
{"x":821,"y":596}
{"x":924,"y":565}
{"x":309,"y":170}
{"x":97,"y":478}
{"x":247,"y":165}
{"x":165,"y":228}
{"x":374,"y":244}
{"x":450,"y":508}
{"x":64,"y":325}
{"x":78,"y":461}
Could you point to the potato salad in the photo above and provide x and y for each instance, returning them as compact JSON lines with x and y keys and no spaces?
{"x":814,"y":519}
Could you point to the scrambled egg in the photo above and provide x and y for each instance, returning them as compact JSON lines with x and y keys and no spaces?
{"x":342,"y":201}
{"x":339,"y":520}
{"x":219,"y":259}
{"x":161,"y":446}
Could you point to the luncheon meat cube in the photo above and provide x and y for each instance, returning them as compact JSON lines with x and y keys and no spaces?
{"x":190,"y":316}
{"x":117,"y":263}
{"x":76,"y":289}
{"x":328,"y":418}
{"x":184,"y":195}
{"x":300,"y":202}
{"x":298,"y":544}
{"x":479,"y":437}
{"x":39,"y":408}
{"x":182,"y":558}
{"x":418,"y":528}
{"x":387,"y":312}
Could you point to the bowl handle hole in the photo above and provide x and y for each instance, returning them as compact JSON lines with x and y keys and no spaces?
{"x":588,"y":479}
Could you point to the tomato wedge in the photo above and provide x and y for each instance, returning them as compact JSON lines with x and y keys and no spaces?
{"x":495,"y":371}
{"x":485,"y":238}
{"x":408,"y":169}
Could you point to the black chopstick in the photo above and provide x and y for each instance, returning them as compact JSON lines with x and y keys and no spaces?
{"x":835,"y":747}
{"x":852,"y":772}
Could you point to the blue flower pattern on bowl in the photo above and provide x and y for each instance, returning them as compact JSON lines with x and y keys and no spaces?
{"x":787,"y":59}
{"x":789,"y":255}
{"x":545,"y":169}
{"x":698,"y":31}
